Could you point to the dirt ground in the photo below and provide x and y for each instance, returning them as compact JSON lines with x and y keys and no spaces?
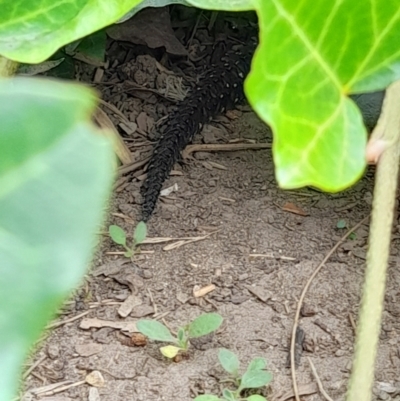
{"x":233,"y":228}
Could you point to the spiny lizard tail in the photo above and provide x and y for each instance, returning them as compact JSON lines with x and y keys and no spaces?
{"x":220,"y":88}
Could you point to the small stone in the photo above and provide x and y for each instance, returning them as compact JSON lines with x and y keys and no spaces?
{"x":140,"y":77}
{"x":141,"y":121}
{"x":142,"y":310}
{"x":339,"y":353}
{"x":260,"y":292}
{"x":127,"y":306}
{"x":93,"y":394}
{"x":53,"y":351}
{"x":239,"y":299}
{"x":95,"y":379}
{"x":182,"y":297}
{"x":387,"y":387}
{"x":88,"y":349}
{"x":102,"y":335}
{"x":308,"y":310}
{"x":383,"y":396}
{"x":147,"y":274}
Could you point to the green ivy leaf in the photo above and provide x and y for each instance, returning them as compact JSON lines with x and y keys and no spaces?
{"x":139,"y":235}
{"x":51,"y":25}
{"x":255,"y":379}
{"x":205,"y":324}
{"x":117,"y":234}
{"x":55,"y":176}
{"x":310,"y":58}
{"x":155,"y":330}
{"x":229,"y":361}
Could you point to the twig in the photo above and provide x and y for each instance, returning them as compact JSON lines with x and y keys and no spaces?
{"x":62,"y":322}
{"x":195,"y":28}
{"x":120,"y":148}
{"x":320,"y":386}
{"x":132,"y":167}
{"x":114,"y":110}
{"x":152,"y":301}
{"x":353,"y":323}
{"x":33,"y":366}
{"x":223,"y":147}
{"x":63,"y":388}
{"x":300,"y":303}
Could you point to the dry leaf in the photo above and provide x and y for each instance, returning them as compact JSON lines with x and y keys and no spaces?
{"x":99,"y":323}
{"x":292,"y":208}
{"x":88,"y":349}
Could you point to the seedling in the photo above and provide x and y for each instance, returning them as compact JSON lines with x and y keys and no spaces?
{"x":255,"y":377}
{"x":202,"y":325}
{"x":118,"y":235}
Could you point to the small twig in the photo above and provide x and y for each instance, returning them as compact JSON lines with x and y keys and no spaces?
{"x":38,"y":362}
{"x":195,"y":28}
{"x":120,"y":148}
{"x":114,"y":110}
{"x":352,"y":322}
{"x":132,"y":167}
{"x":62,"y":322}
{"x":223,"y":147}
{"x":63,"y":388}
{"x":320,"y":386}
{"x":300,"y":303}
{"x":178,"y":244}
{"x":152,"y":301}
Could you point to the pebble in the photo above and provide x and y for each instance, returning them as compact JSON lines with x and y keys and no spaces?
{"x":53,"y":351}
{"x":95,"y":379}
{"x":340,"y":353}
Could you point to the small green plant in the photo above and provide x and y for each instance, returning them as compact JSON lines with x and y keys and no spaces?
{"x":254,"y":377}
{"x":118,"y":235}
{"x":202,"y":325}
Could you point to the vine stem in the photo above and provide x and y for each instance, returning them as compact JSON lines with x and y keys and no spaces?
{"x":372,"y":301}
{"x":7,"y":67}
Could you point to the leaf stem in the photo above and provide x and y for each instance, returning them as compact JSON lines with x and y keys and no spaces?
{"x":7,"y":67}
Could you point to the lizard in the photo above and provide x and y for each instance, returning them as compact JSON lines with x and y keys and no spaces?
{"x":220,"y":88}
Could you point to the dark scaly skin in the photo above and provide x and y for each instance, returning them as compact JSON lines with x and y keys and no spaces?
{"x":220,"y":88}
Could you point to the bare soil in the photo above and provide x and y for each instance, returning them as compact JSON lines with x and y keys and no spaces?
{"x":255,"y":242}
